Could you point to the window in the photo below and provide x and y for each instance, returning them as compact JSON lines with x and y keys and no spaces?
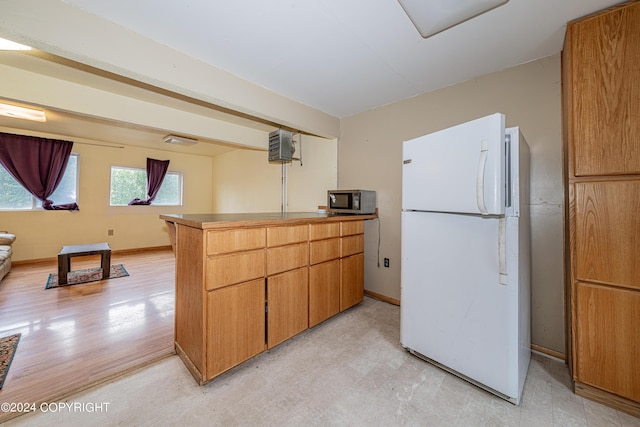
{"x":16,"y":197}
{"x":129,"y":183}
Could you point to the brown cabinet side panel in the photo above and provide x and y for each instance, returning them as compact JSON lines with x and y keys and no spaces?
{"x":352,"y":281}
{"x":189,"y":314}
{"x":606,"y":92}
{"x":608,"y":232}
{"x":236,"y":325}
{"x":324,"y":291}
{"x":609,"y":339}
{"x":288,"y":303}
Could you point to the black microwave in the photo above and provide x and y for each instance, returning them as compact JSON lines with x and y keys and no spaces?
{"x":351,"y":201}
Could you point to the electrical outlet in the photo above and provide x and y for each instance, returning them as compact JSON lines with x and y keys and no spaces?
{"x":110,"y":232}
{"x":386,"y":262}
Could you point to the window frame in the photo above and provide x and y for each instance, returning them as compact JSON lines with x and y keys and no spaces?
{"x":180,"y":175}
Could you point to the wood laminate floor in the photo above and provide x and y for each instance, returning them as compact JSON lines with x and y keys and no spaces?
{"x":76,"y":336}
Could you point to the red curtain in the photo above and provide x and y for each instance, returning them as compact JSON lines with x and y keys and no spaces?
{"x":156,"y":171}
{"x":38,"y":164}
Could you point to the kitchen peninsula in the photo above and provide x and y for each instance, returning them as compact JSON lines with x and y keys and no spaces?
{"x":247,"y":282}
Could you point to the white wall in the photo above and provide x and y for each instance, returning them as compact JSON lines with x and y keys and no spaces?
{"x":41,"y":234}
{"x":245,"y":181}
{"x":370,"y":157}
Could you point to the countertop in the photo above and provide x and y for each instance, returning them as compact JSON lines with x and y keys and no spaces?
{"x":207,"y":221}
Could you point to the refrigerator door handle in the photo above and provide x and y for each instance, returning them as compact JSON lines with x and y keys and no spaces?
{"x":502,"y":251}
{"x":482,"y":163}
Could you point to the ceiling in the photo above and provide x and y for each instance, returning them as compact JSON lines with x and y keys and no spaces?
{"x":339,"y":57}
{"x":346,"y":57}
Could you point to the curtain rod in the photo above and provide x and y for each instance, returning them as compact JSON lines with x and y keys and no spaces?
{"x":99,"y":145}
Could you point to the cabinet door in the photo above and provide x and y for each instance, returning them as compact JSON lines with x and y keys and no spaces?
{"x":352,"y":281}
{"x":607,"y":232}
{"x":605,"y":80}
{"x":324,"y":291}
{"x":235,"y":325}
{"x":288,"y":305}
{"x":608,"y":339}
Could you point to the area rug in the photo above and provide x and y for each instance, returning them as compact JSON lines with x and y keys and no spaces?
{"x":86,"y":275}
{"x":7,"y":350}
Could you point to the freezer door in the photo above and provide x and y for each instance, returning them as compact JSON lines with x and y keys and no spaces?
{"x":457,"y":307}
{"x":459,"y":169}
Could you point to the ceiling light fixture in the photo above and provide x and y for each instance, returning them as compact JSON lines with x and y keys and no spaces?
{"x":9,"y":45}
{"x":433,"y":16}
{"x":179,"y":140}
{"x":16,"y":112}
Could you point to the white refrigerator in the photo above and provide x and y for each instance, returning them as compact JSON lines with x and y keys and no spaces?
{"x":465,"y":271}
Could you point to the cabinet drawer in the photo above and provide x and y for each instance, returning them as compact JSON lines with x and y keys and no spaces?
{"x":285,"y":258}
{"x":235,"y":268}
{"x":324,"y":230}
{"x":352,"y":227}
{"x":324,"y":250}
{"x":352,"y":245}
{"x":278,"y":236}
{"x":224,"y":241}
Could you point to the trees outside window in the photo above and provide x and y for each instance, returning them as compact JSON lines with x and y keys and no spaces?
{"x":129,"y":183}
{"x":15,"y":197}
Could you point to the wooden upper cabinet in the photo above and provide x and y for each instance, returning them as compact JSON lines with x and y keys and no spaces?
{"x":603,"y":73}
{"x":607,"y":237}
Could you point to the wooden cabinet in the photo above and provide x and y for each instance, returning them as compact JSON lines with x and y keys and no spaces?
{"x":245,"y":286}
{"x":288,"y":309}
{"x":351,"y":264}
{"x":324,"y":291}
{"x":287,"y":282}
{"x":608,"y":339}
{"x":324,"y":272}
{"x":601,"y":118}
{"x":236,"y":325}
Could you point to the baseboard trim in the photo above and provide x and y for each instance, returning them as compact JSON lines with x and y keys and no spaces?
{"x":548,"y":352}
{"x":609,"y":399}
{"x":382,"y":297}
{"x":117,"y":251}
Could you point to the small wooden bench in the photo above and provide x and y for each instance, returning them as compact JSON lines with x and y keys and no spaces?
{"x":67,"y":252}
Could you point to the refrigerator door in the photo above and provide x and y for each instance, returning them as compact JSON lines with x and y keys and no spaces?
{"x":459,"y":300}
{"x":459,"y":169}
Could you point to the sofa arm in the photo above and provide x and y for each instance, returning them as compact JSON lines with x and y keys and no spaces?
{"x":7,"y":239}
